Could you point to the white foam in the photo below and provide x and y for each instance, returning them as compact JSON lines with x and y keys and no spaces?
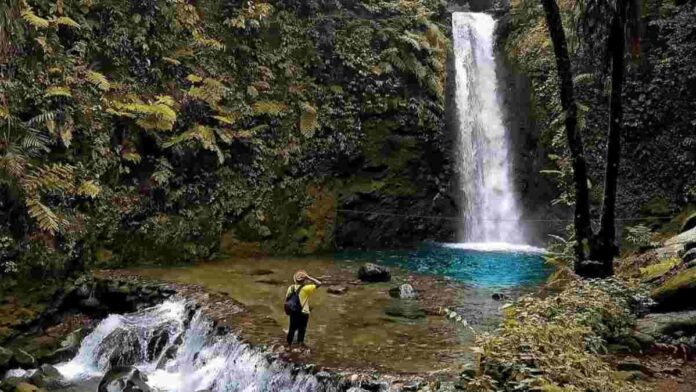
{"x":495,"y":247}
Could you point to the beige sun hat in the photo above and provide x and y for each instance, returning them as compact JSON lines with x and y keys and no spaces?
{"x":299,"y":276}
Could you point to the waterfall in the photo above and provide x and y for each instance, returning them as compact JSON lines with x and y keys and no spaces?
{"x":181,"y":355}
{"x":490,"y":212}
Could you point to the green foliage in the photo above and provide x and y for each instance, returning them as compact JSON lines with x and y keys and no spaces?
{"x":639,"y":236}
{"x":116,"y":132}
{"x":554,"y":342}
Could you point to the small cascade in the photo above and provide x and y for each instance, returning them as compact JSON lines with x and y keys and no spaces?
{"x":177,"y":354}
{"x":490,"y":213}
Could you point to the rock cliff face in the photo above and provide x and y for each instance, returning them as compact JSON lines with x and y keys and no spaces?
{"x":168,"y":123}
{"x":658,"y":153}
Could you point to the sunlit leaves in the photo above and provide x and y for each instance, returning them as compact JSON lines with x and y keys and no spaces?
{"x":270,"y":108}
{"x":98,"y":80}
{"x":65,"y":21}
{"x":34,"y":20}
{"x":57,"y":91}
{"x":158,"y":115}
{"x":44,"y":216}
{"x":308,"y":119}
{"x":89,"y":188}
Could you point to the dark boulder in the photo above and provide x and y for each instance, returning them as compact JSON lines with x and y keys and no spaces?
{"x":500,"y":297}
{"x":689,"y":256}
{"x":23,"y":359}
{"x":677,"y":327}
{"x":121,"y":348}
{"x":48,"y":377}
{"x":5,"y":359}
{"x":677,"y":293}
{"x":689,"y":223}
{"x":374,"y":273}
{"x":157,"y":343}
{"x":123,"y":379}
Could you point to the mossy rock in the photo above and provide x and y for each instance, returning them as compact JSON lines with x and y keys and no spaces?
{"x":653,"y":272}
{"x":677,"y":293}
{"x":26,"y":387}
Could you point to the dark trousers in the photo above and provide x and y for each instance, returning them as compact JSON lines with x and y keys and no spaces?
{"x":298,"y":323}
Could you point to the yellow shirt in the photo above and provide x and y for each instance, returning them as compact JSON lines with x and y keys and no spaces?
{"x":305,"y":293}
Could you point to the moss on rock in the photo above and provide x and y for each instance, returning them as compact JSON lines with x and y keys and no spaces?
{"x":678,"y":292}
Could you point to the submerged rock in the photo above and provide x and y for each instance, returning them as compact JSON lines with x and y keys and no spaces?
{"x":677,"y":292}
{"x":405,"y":309}
{"x":123,"y":379}
{"x":260,"y":272}
{"x":500,"y":297}
{"x":405,"y":291}
{"x":337,"y":290}
{"x":374,"y":273}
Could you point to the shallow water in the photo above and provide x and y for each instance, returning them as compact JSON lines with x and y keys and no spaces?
{"x":359,"y":329}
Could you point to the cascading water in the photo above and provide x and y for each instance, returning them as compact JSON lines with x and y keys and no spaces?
{"x":179,"y":355}
{"x":490,"y":213}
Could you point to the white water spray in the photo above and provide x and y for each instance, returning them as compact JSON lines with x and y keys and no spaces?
{"x":193,"y":356}
{"x":490,"y":210}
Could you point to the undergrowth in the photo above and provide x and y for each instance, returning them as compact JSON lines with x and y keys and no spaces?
{"x":556,"y":343}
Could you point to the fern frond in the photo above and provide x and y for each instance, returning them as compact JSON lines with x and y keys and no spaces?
{"x":99,"y":80}
{"x":210,"y":92}
{"x":4,"y":113}
{"x":57,"y":91}
{"x":156,"y":116}
{"x":194,"y":78}
{"x":308,"y":119}
{"x":65,"y":21}
{"x":56,"y":177}
{"x":89,"y":188}
{"x":171,"y":60}
{"x":271,"y":108}
{"x":228,"y":119}
{"x":42,"y":118}
{"x":34,"y":140}
{"x":585,"y":78}
{"x":34,"y":20}
{"x":14,"y":165}
{"x":44,"y":216}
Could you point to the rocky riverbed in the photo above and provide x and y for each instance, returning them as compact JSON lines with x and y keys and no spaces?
{"x":81,"y":305}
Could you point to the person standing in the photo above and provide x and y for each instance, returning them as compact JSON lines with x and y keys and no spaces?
{"x":297,"y":305}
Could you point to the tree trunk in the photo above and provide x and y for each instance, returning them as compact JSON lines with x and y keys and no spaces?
{"x":604,"y":248}
{"x":583,"y":228}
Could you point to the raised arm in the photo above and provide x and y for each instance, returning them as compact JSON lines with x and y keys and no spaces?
{"x":316,"y":281}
